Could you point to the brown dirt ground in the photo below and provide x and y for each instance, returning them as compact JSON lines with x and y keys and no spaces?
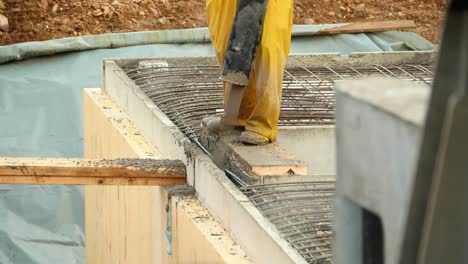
{"x":49,"y":19}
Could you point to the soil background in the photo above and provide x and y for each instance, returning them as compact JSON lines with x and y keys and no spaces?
{"x":32,"y":20}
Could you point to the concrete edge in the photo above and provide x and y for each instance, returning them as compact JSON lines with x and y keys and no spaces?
{"x":214,"y":189}
{"x":315,"y":60}
{"x":296,"y":178}
{"x":306,"y":127}
{"x":257,"y":236}
{"x":140,"y":109}
{"x":393,"y":97}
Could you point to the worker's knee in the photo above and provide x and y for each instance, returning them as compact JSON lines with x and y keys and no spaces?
{"x":271,"y":58}
{"x":277,"y":28}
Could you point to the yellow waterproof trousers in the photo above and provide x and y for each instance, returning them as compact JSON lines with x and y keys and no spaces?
{"x":260,"y":107}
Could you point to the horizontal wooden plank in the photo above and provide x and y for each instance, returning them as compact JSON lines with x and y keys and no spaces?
{"x":364,"y":27}
{"x":91,"y":172}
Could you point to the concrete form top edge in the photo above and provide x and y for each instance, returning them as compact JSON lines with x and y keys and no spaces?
{"x":400,"y":98}
{"x":313,"y":60}
{"x":214,"y":189}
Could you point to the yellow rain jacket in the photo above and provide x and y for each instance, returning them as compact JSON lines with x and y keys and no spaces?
{"x":260,"y":106}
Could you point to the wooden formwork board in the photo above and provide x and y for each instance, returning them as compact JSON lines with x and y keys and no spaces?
{"x":91,"y":172}
{"x":129,"y":224}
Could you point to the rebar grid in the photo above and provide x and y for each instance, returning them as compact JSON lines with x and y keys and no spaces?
{"x":302,"y":213}
{"x":188,"y":94}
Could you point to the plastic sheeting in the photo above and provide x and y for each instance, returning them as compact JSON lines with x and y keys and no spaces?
{"x":302,"y":34}
{"x":40,"y":115}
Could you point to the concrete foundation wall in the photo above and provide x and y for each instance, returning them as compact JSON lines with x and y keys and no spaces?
{"x":244,"y":222}
{"x":313,"y":144}
{"x":129,"y":224}
{"x":379,"y":134}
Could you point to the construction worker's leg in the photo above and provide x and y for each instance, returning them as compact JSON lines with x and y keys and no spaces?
{"x":221,"y":14}
{"x":269,"y":67}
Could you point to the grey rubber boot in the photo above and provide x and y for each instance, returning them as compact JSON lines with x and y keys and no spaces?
{"x":252,"y":138}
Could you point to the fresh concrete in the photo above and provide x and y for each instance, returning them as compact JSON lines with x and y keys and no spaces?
{"x":257,"y":236}
{"x":313,"y":144}
{"x":248,"y":227}
{"x":256,"y":161}
{"x":378,"y":135}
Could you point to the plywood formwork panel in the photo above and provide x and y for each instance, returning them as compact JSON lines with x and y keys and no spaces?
{"x":128,"y":224}
{"x":123,"y":224}
{"x":214,"y":244}
{"x":61,"y":171}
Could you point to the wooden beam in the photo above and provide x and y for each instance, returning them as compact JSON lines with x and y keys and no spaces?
{"x":91,"y":172}
{"x":366,"y":27}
